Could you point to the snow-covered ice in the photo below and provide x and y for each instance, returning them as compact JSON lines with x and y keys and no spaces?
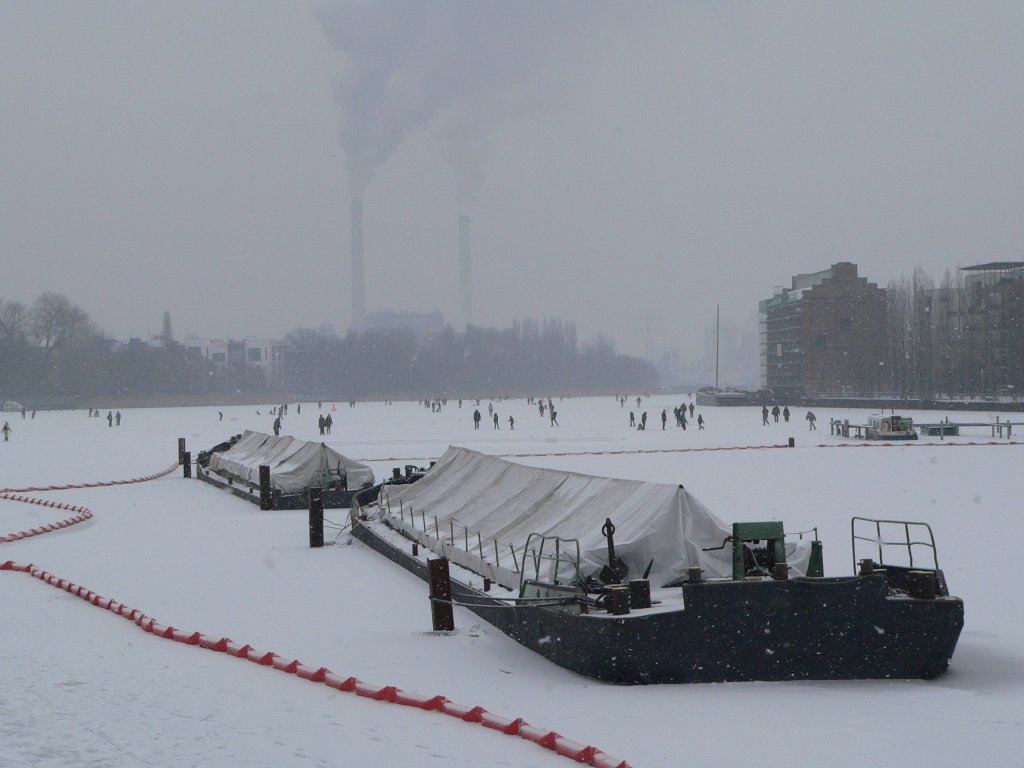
{"x":81,"y":686}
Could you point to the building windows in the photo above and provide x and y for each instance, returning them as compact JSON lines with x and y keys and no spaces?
{"x":255,"y":355}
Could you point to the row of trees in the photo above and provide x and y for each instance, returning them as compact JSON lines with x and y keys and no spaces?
{"x":531,"y":357}
{"x":51,"y":352}
{"x":964,"y":336}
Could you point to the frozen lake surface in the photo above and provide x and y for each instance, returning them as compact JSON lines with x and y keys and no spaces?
{"x":84,"y":687}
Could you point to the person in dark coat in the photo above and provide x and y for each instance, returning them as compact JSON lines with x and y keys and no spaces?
{"x":320,"y":423}
{"x":110,"y":418}
{"x":811,"y":418}
{"x":632,"y":419}
{"x":553,"y":414}
{"x":775,"y":413}
{"x":328,"y":423}
{"x":496,"y":420}
{"x":664,"y":419}
{"x":511,"y":423}
{"x":643,"y":420}
{"x":476,"y":419}
{"x":117,"y":418}
{"x":277,"y":425}
{"x":691,"y":410}
{"x":7,"y":432}
{"x":785,"y":413}
{"x":700,"y":422}
{"x":764,"y":414}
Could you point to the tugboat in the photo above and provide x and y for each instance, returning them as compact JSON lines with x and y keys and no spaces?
{"x":638,"y":583}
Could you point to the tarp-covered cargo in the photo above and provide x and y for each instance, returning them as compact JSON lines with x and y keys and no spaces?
{"x":495,"y":505}
{"x":295,"y":465}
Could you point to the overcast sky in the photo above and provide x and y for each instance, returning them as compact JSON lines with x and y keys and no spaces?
{"x":619,"y":161}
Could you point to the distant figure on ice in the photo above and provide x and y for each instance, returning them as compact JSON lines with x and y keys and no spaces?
{"x":682,"y":419}
{"x":110,"y":418}
{"x":496,"y":421}
{"x":540,"y":406}
{"x":632,"y":419}
{"x":298,"y":408}
{"x":811,"y":418}
{"x":476,"y":419}
{"x":785,"y":413}
{"x":511,"y":423}
{"x":664,"y":418}
{"x":775,"y":413}
{"x":321,"y":423}
{"x":638,"y":402}
{"x":277,"y":425}
{"x":117,"y":418}
{"x":328,"y":423}
{"x":554,"y":415}
{"x":7,"y":432}
{"x":643,"y":420}
{"x":700,"y":422}
{"x":221,"y":415}
{"x":764,"y":414}
{"x":490,"y":409}
{"x":691,"y":410}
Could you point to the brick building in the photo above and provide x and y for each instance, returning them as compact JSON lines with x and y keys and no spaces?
{"x":824,"y":337}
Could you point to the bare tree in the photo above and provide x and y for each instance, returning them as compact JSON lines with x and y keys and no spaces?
{"x":14,"y":317}
{"x":56,"y":323}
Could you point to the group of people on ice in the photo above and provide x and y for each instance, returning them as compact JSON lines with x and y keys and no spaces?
{"x":810,"y":418}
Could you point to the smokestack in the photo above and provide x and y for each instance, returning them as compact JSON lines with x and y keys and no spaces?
{"x":358,"y":286}
{"x":465,"y":274}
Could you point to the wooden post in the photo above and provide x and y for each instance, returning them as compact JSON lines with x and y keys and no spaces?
{"x":441,"y":615}
{"x":316,"y":517}
{"x":186,"y":464}
{"x":266,"y":500}
{"x":181,"y":450}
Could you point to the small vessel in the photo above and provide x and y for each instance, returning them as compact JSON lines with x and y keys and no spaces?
{"x":639,"y":583}
{"x":891,"y":427}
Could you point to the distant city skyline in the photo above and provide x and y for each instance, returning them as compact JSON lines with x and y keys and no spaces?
{"x":617,"y":160}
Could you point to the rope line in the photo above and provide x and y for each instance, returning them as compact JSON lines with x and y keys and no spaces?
{"x":83,"y":513}
{"x":901,"y":444}
{"x":548,"y":739}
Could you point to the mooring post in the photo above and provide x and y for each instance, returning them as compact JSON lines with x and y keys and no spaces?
{"x":441,"y":615}
{"x":316,"y":517}
{"x":186,"y":464}
{"x":266,"y":500}
{"x":181,"y":450}
{"x":792,"y":442}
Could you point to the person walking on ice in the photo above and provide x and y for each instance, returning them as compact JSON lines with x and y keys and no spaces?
{"x":775,"y":413}
{"x":632,"y":419}
{"x":764,"y":415}
{"x":664,"y":418}
{"x":511,"y":423}
{"x":700,"y":422}
{"x":496,"y":421}
{"x":476,"y":419}
{"x":785,"y":413}
{"x":553,"y":414}
{"x":7,"y":432}
{"x":810,"y":421}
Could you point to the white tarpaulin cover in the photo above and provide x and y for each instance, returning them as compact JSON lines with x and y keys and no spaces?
{"x":295,"y":465}
{"x":494,"y":504}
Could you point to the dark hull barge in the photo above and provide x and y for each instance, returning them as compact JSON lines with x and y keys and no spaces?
{"x":769,"y":616}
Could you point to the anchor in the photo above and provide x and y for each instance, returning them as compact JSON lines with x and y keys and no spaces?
{"x":616,"y":570}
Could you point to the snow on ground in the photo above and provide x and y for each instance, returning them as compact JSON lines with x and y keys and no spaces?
{"x":81,"y":686}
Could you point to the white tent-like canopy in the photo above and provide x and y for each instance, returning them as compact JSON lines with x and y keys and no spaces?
{"x":493,"y":505}
{"x":295,"y":465}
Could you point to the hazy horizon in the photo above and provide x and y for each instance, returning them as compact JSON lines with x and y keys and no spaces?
{"x":623,"y":164}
